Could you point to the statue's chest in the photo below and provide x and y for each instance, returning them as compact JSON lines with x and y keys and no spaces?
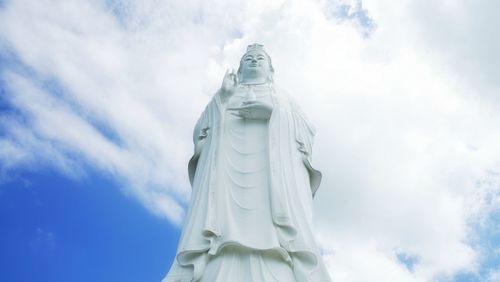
{"x":246,"y":94}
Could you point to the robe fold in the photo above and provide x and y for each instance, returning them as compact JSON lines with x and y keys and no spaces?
{"x":211,"y":240}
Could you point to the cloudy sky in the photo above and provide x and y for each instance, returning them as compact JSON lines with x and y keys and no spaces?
{"x":98,"y":99}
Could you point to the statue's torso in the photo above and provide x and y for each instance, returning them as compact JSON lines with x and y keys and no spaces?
{"x":231,"y":235}
{"x":244,"y":159}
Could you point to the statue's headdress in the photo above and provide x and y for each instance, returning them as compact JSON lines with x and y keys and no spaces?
{"x":255,"y":47}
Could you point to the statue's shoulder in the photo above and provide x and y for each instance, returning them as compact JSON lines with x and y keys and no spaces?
{"x":282,"y":95}
{"x":280,"y":91}
{"x":285,"y":98}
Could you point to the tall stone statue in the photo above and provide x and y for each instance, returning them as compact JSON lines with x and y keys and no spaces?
{"x":250,"y":216}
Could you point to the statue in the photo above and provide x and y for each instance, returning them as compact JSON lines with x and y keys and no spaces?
{"x":250,"y":216}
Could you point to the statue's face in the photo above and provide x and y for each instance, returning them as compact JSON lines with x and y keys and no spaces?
{"x":255,"y":64}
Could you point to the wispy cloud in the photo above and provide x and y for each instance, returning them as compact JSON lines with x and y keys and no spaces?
{"x":407,"y":117}
{"x":43,"y":239}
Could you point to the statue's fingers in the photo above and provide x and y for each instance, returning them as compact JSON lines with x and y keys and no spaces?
{"x":242,"y":107}
{"x":233,"y":78}
{"x":246,"y":111}
{"x":248,"y":103}
{"x":237,"y":115}
{"x":246,"y":107}
{"x":236,"y":78}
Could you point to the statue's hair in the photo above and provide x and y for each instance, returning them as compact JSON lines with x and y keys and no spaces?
{"x":271,"y":69}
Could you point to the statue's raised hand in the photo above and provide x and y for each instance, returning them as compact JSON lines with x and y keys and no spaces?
{"x":229,"y":84}
{"x":253,"y":110}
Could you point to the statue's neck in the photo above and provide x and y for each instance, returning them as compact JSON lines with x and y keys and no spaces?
{"x":252,"y":80}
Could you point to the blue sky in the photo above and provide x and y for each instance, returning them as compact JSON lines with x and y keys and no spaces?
{"x":98,"y":100}
{"x":58,"y":229}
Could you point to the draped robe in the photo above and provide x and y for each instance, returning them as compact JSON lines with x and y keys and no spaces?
{"x":253,"y":184}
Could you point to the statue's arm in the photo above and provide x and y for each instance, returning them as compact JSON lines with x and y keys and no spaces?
{"x":305,"y":131}
{"x":304,"y":134}
{"x":202,"y":131}
{"x":204,"y":123}
{"x":200,"y":134}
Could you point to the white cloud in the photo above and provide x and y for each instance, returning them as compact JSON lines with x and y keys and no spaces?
{"x":494,"y":276}
{"x":407,"y":117}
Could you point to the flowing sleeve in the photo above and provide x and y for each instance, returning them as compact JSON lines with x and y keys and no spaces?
{"x":201,"y":133}
{"x":305,"y":133}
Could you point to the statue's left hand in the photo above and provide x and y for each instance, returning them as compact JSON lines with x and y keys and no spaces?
{"x":253,"y":110}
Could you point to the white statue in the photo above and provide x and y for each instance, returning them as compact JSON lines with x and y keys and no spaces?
{"x":250,"y":217}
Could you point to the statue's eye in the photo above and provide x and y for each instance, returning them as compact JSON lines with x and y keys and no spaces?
{"x":260,"y":58}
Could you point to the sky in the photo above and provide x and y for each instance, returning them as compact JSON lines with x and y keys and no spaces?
{"x":98,"y":100}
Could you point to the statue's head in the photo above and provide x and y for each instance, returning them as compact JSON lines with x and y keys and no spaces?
{"x":255,"y":64}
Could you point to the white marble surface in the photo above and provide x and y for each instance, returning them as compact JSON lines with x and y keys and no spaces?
{"x":250,"y":216}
